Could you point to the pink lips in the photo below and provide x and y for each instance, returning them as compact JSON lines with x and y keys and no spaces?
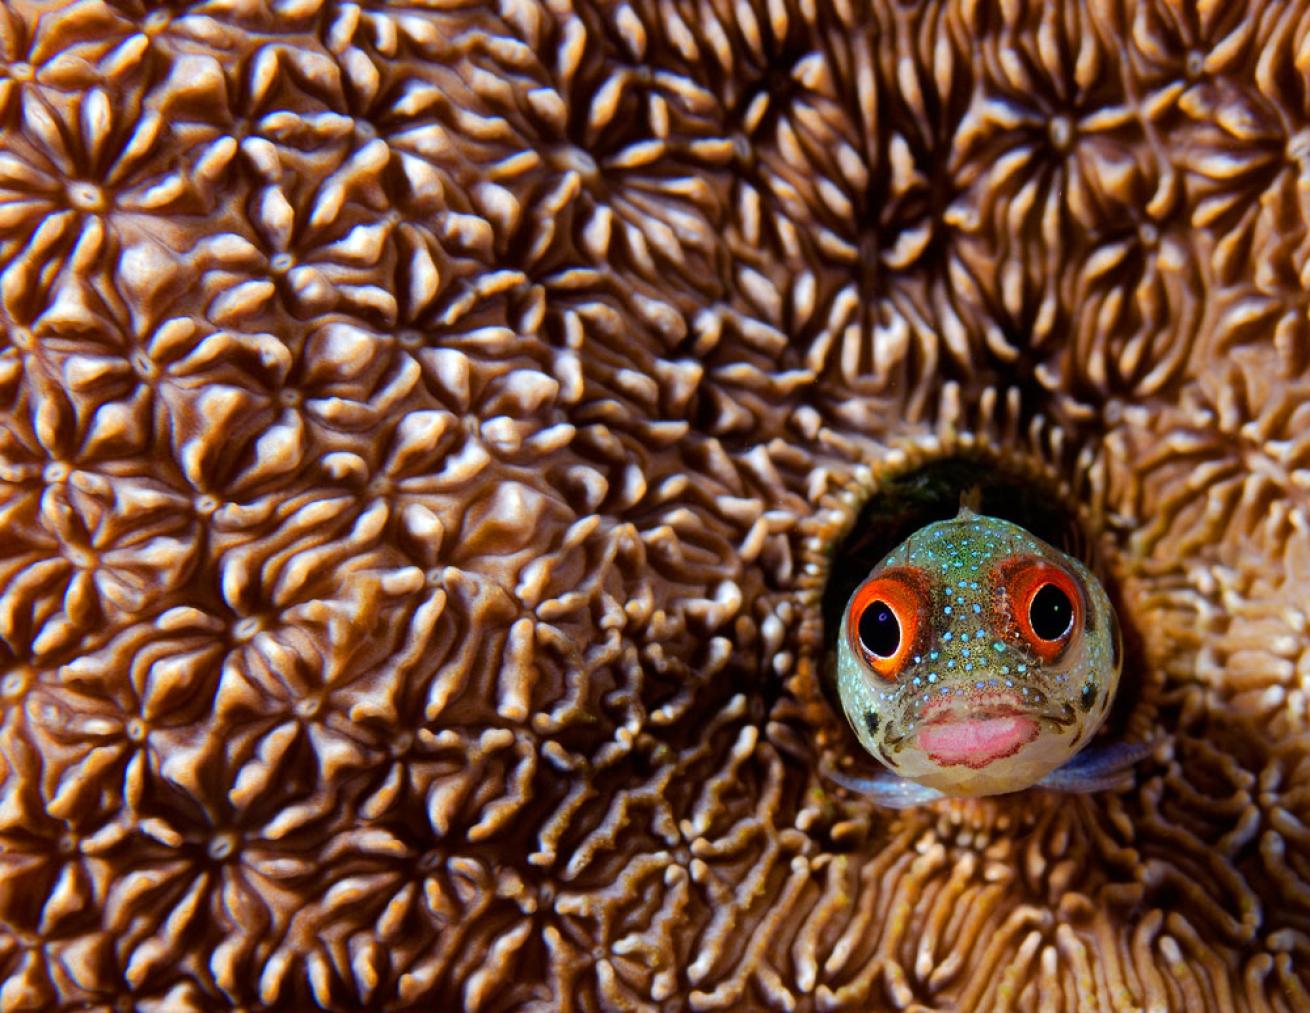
{"x":952,"y":738}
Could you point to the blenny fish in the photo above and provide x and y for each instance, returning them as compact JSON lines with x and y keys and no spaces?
{"x":976,"y":659}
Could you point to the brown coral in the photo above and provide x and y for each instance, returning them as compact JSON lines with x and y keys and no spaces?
{"x":424,"y":428}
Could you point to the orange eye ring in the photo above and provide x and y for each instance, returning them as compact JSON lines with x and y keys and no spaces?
{"x":1022,"y":580}
{"x":902,"y":592}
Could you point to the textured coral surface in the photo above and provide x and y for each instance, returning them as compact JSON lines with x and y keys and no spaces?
{"x":423,"y":429}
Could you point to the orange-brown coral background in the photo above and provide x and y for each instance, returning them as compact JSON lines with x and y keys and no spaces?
{"x":422,"y":426}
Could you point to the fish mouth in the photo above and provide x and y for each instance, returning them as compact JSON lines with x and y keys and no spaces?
{"x":979,"y":731}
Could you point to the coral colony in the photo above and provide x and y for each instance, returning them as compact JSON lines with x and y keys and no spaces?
{"x":429,"y":433}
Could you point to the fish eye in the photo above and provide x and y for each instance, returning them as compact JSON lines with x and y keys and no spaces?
{"x":1050,"y":613}
{"x":1043,"y":602}
{"x":880,"y":631}
{"x":883,"y":619}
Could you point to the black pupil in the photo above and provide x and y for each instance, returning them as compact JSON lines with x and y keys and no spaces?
{"x":1050,"y":613}
{"x":880,"y":633}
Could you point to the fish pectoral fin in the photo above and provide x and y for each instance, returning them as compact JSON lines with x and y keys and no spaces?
{"x":1098,"y":768}
{"x":886,"y":789}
